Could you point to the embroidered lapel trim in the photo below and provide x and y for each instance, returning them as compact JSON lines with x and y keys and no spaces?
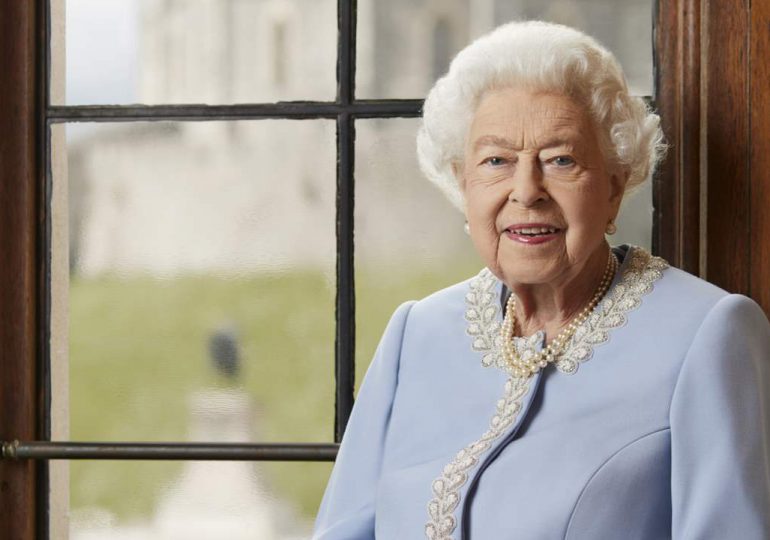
{"x":639,"y":272}
{"x":446,"y":488}
{"x":638,"y":277}
{"x":483,"y":308}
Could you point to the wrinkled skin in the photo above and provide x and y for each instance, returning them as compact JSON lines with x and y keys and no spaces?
{"x":535,"y":158}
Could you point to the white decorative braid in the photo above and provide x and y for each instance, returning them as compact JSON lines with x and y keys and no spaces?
{"x":483,"y":306}
{"x":482,"y":315}
{"x":640,"y":271}
{"x":639,"y":274}
{"x":446,"y":488}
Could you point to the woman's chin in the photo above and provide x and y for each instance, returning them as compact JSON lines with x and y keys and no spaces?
{"x":527,"y":272}
{"x":518,"y":250}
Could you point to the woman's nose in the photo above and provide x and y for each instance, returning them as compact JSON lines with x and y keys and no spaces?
{"x":527,"y":184}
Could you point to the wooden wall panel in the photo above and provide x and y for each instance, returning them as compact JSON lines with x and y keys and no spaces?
{"x":677,"y":234}
{"x":759,"y":153}
{"x":666,"y":192}
{"x":727,"y":146}
{"x":713,"y":93}
{"x":690,"y":136}
{"x":18,"y":267}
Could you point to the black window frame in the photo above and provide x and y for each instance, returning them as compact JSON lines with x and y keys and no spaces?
{"x":345,"y":110}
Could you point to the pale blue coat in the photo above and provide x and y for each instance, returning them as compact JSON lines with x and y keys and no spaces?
{"x":654,"y":425}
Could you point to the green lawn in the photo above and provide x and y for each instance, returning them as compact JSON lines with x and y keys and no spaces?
{"x":138,"y":348}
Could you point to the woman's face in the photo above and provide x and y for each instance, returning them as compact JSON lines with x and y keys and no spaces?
{"x":538,"y":192}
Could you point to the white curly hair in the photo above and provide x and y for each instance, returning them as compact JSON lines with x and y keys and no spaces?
{"x":542,"y":57}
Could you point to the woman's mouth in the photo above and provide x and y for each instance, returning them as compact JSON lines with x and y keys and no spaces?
{"x":532,"y":233}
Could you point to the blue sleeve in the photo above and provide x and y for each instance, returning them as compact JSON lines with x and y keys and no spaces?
{"x":347,"y":508}
{"x":720,"y":428}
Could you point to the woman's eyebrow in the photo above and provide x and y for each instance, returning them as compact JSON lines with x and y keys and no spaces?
{"x":494,"y":140}
{"x":559,"y":142}
{"x":502,"y":142}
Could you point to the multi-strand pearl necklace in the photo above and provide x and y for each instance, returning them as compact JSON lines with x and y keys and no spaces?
{"x":526,"y":367}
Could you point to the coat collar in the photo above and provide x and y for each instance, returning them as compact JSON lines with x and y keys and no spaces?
{"x":636,"y":276}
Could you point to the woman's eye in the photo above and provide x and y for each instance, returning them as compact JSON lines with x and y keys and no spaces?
{"x":495,"y":161}
{"x":563,"y":161}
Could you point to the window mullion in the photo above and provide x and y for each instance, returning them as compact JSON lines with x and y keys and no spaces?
{"x":345,"y":308}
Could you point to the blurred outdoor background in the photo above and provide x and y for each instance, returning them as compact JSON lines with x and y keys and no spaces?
{"x":202,"y":254}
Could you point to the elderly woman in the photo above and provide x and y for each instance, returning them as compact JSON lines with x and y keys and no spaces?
{"x":569,"y":390}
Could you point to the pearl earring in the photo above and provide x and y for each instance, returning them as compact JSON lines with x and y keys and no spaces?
{"x":611,"y":228}
{"x":467,"y":228}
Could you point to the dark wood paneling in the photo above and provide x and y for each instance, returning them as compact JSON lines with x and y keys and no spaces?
{"x":677,"y":83}
{"x":689,"y":136}
{"x":727,"y":146}
{"x":18,"y":268}
{"x":713,"y":94}
{"x":759,"y":156}
{"x":666,"y":181}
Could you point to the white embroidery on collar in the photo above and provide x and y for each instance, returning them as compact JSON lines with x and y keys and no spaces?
{"x":638,"y":276}
{"x":482,"y":316}
{"x":639,"y":271}
{"x":446,"y":488}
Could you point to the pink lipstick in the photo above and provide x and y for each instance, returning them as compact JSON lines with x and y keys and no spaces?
{"x":532,"y":233}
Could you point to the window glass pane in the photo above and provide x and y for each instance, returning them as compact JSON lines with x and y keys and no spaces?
{"x":409,"y":238}
{"x":202,"y":260}
{"x":405,"y":45}
{"x":199,"y":51}
{"x":194,"y":500}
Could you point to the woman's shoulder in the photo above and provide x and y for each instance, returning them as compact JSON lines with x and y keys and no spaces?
{"x":679,"y":283}
{"x":451,"y":301}
{"x":680,"y":303}
{"x":671,"y":287}
{"x":441,"y":317}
